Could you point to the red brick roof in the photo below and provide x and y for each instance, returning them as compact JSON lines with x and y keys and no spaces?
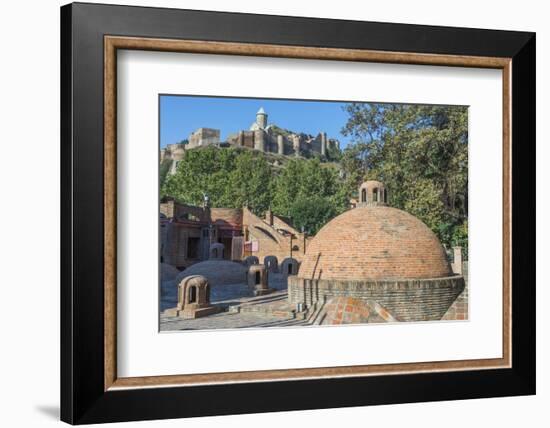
{"x":345,"y":310}
{"x":375,"y":243}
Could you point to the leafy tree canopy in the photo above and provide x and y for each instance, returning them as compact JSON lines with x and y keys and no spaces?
{"x":308,"y":179}
{"x":421,"y":153}
{"x":333,"y":153}
{"x":310,"y":213}
{"x":235,"y":178}
{"x":231,"y":178}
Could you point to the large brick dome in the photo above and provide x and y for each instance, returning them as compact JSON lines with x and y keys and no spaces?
{"x":375,"y":243}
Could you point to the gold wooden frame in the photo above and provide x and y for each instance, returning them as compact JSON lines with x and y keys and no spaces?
{"x":113,"y":43}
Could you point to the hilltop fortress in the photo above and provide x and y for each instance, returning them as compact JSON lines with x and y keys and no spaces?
{"x":267,"y":138}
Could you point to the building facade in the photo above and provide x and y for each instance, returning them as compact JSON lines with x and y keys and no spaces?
{"x":189,"y":232}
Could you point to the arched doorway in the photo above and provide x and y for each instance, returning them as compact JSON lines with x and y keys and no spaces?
{"x":192,"y":294}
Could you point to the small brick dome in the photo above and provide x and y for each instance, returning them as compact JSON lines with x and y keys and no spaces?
{"x":168,"y":272}
{"x":217,"y":272}
{"x":375,"y":242}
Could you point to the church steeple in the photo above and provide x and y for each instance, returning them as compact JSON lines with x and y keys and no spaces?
{"x":261,"y":118}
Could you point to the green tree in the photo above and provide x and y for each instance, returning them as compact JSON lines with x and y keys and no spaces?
{"x":163,"y":170}
{"x":420,"y":152}
{"x":311,"y":213}
{"x":230,"y":177}
{"x":333,"y":153}
{"x":424,"y":202}
{"x":305,"y":181}
{"x":460,"y":237}
{"x":250,"y":182}
{"x":308,"y":191}
{"x":199,"y":172}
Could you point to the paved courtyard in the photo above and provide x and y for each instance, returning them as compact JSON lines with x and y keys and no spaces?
{"x":241,"y":308}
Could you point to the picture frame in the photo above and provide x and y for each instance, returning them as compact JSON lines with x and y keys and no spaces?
{"x":91,"y":391}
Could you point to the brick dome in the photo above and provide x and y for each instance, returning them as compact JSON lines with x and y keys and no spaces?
{"x":217,"y":272}
{"x":168,"y":272}
{"x":375,"y":243}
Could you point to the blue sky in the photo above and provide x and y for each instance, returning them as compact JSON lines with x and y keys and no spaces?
{"x":181,"y":115}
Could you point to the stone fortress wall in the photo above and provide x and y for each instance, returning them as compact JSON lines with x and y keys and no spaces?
{"x":269,"y":141}
{"x":204,"y":137}
{"x":260,"y":136}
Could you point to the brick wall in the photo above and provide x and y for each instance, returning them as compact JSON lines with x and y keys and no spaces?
{"x":167,"y":208}
{"x":459,"y":309}
{"x":229,"y":216}
{"x":270,"y":241}
{"x":174,"y":249}
{"x":407,"y":300}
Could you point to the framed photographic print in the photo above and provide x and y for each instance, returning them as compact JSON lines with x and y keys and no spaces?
{"x":265,"y":213}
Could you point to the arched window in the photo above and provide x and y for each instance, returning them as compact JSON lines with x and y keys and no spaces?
{"x":192,"y":294}
{"x":375,"y":194}
{"x":363,"y":195}
{"x":290,"y":268}
{"x":258,"y":278}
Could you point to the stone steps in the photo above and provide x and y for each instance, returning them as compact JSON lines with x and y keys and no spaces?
{"x":276,"y":307}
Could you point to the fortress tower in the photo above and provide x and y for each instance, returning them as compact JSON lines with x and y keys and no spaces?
{"x":261,"y":118}
{"x":296,"y":144}
{"x":280,"y":144}
{"x":259,"y":139}
{"x":323,"y":143}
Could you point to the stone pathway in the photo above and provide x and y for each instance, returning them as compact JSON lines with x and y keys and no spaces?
{"x":222,"y":320}
{"x":271,"y":310}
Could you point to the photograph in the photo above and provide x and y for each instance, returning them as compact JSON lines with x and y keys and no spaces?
{"x":299,"y":213}
{"x":275,"y":214}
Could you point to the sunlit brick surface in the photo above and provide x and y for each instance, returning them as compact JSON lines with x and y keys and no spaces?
{"x":407,"y":300}
{"x":375,"y":243}
{"x":346,"y":310}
